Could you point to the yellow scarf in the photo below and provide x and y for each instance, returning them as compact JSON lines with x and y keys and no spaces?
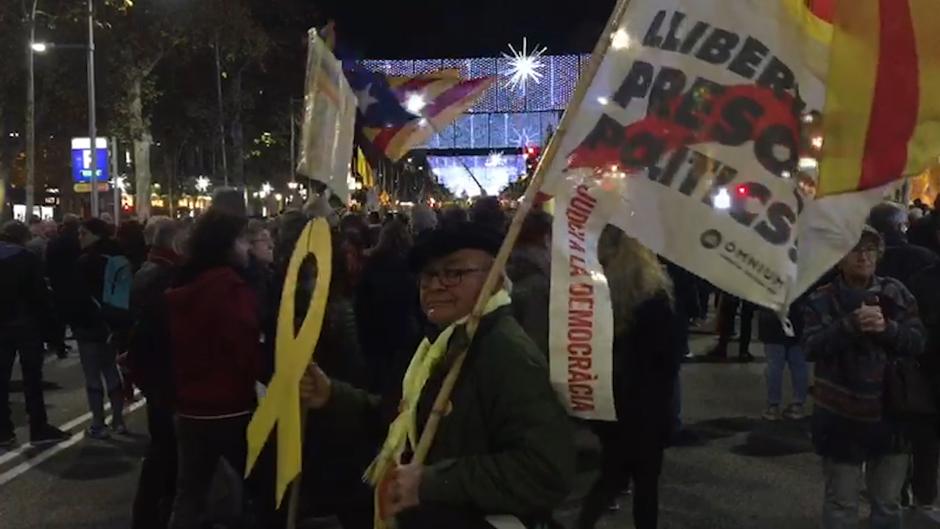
{"x":404,"y":428}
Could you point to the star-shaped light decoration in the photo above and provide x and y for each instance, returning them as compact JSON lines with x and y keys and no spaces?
{"x":495,"y":159}
{"x":524,"y":66}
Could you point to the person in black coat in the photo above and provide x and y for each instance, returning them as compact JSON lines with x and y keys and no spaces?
{"x":62,"y":253}
{"x":901,"y":260}
{"x":924,"y":433}
{"x":648,"y":344}
{"x":149,"y":359}
{"x":386,"y":304}
{"x":26,"y":321}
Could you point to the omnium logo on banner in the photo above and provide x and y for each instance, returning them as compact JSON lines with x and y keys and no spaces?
{"x":737,"y":255}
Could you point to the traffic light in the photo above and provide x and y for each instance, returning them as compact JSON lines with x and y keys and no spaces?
{"x":531,"y":154}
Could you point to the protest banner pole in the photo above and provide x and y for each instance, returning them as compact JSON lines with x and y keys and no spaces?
{"x":499,"y":264}
{"x":293,"y":503}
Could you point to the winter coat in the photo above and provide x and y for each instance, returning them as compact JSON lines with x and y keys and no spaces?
{"x":387,"y":318}
{"x":529,"y":269}
{"x":25,"y":312}
{"x":926,"y":288}
{"x":646,"y":366}
{"x":923,"y":232}
{"x":86,"y":317}
{"x":149,"y":356}
{"x":902,"y":260}
{"x":261,"y":279}
{"x":504,"y":445}
{"x":849,"y":424}
{"x":62,"y":255}
{"x":215,"y":340}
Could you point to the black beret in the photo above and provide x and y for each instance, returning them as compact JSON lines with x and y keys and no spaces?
{"x":450,"y":238}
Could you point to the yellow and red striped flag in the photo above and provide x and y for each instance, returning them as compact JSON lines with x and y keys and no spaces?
{"x":882,"y":113}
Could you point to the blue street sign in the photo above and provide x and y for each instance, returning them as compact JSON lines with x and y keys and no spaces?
{"x":81,"y":161}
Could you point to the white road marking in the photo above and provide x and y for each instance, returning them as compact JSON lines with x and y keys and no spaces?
{"x":47,"y":454}
{"x":13,"y":454}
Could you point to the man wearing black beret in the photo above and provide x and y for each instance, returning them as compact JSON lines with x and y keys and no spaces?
{"x":504,"y":445}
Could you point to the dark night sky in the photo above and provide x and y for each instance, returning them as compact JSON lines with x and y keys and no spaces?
{"x":465,"y":28}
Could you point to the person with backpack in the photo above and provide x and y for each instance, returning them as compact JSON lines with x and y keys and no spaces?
{"x":104,"y":277}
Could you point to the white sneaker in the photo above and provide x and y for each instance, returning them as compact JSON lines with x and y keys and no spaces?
{"x":929,"y":512}
{"x":794,"y":412}
{"x":772,"y":413}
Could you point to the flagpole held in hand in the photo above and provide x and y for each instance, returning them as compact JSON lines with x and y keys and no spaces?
{"x":293,"y":504}
{"x":496,"y":272}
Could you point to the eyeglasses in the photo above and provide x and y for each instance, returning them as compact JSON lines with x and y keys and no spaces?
{"x":448,"y":277}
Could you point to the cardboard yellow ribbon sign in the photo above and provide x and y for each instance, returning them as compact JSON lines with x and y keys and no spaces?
{"x":281,"y":404}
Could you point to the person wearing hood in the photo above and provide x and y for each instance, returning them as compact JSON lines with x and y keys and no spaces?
{"x":217,"y":358}
{"x":504,"y":445}
{"x":93,"y":328}
{"x":26,"y":321}
{"x":901,"y":260}
{"x":853,"y":328}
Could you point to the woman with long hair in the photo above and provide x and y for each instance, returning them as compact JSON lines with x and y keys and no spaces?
{"x":217,"y":357}
{"x":648,"y":343}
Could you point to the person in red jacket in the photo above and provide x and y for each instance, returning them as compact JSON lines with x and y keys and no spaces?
{"x":217,"y":357}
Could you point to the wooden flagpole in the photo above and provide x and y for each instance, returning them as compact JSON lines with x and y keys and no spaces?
{"x":499,"y":264}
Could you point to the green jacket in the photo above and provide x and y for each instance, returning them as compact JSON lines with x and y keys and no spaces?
{"x":505,"y":446}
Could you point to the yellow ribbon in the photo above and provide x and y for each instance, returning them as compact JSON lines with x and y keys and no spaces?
{"x":281,"y":405}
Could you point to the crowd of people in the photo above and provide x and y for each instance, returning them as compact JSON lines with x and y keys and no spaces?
{"x":186,"y":311}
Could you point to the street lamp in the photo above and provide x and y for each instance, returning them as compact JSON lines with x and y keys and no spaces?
{"x":39,"y":47}
{"x":92,"y":127}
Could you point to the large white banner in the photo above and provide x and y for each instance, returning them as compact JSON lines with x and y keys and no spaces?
{"x":693,"y":127}
{"x":329,"y":119}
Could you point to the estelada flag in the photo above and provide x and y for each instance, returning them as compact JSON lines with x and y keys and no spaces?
{"x":393,"y":124}
{"x":882,"y":113}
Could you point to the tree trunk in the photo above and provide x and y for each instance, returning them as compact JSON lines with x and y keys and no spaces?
{"x":237,"y":132}
{"x":140,"y":131}
{"x":142,"y":175}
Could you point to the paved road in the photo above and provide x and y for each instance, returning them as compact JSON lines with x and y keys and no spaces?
{"x":744,"y":473}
